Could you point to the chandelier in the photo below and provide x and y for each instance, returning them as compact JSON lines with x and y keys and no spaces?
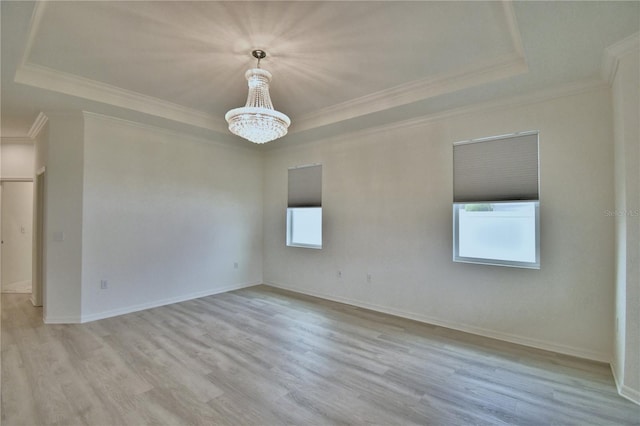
{"x":257,"y":121}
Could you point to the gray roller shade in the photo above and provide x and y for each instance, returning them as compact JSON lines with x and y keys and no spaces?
{"x":499,"y":169}
{"x":305,"y":186}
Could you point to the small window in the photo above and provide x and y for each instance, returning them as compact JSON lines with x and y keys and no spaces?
{"x":304,"y":227}
{"x":304,"y":207}
{"x":496,"y":219}
{"x":505,"y":234}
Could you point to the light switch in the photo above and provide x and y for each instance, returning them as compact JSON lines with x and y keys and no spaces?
{"x":58,"y":236}
{"x":22,"y":231}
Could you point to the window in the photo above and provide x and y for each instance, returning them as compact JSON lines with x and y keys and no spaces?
{"x":504,"y":234}
{"x":496,"y":217}
{"x":304,"y":227}
{"x":304,"y":211}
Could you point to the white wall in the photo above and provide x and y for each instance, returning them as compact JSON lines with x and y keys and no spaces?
{"x":387,"y":212}
{"x":41,"y":149}
{"x":63,"y":212}
{"x":626,"y":110}
{"x":17,"y":160}
{"x":165,"y":217}
{"x":41,"y":143}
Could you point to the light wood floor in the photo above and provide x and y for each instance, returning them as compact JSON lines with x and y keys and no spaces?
{"x":267,"y":357}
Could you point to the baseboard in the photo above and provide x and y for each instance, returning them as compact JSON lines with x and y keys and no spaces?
{"x":162,"y":302}
{"x":520,"y":340}
{"x":625,"y":391}
{"x":62,"y":320}
{"x":17,"y":287}
{"x":632,"y":395}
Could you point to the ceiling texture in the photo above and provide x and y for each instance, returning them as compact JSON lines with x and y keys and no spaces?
{"x":337,"y":66}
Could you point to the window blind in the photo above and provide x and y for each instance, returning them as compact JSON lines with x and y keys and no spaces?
{"x":305,"y":186}
{"x":497,"y":169}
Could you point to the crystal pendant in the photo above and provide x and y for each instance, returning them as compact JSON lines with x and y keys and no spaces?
{"x":257,"y":121}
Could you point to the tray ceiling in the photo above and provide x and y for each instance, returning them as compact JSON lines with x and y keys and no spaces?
{"x":331,"y":61}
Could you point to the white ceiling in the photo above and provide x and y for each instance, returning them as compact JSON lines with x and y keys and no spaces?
{"x":336,"y":65}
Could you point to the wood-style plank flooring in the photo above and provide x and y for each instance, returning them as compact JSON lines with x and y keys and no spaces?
{"x":261,"y":356}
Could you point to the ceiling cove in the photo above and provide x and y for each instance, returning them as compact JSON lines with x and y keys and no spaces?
{"x":365,"y":81}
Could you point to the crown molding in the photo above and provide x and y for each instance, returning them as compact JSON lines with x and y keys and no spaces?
{"x":37,"y":125}
{"x":544,"y":95}
{"x":58,"y":81}
{"x":412,"y":92}
{"x":477,"y":74}
{"x":16,"y":140}
{"x":62,"y":82}
{"x":69,"y":84}
{"x":490,"y":70}
{"x":614,"y":53}
{"x":165,"y":131}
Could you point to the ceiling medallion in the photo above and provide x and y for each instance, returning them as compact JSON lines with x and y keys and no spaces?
{"x":257,"y":121}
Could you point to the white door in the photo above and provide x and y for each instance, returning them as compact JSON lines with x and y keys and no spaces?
{"x":17,"y":223}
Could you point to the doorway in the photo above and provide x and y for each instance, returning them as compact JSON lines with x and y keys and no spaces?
{"x":17,"y":236}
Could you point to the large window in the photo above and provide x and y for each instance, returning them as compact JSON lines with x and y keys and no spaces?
{"x":304,"y":207}
{"x":496,"y":215}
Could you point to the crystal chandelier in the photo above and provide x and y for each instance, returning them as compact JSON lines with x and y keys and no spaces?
{"x":257,"y":121}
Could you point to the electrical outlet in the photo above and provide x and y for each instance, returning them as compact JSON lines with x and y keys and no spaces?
{"x":368,"y":278}
{"x":235,"y":265}
{"x":104,"y":284}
